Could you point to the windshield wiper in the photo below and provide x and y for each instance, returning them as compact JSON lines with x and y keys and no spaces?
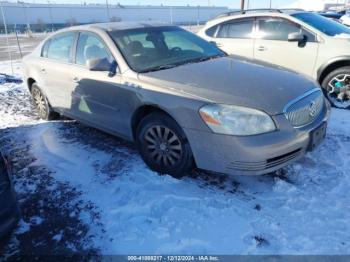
{"x":202,"y":59}
{"x":158,"y":68}
{"x":189,"y":61}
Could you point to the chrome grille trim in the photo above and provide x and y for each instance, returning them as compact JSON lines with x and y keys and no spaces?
{"x":305,"y":109}
{"x":263,"y":165}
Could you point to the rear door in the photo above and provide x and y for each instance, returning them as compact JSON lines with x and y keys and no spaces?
{"x":55,"y":69}
{"x":235,"y":37}
{"x":272,"y":45}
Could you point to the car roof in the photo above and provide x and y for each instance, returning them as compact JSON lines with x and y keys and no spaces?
{"x":238,"y":14}
{"x":256,"y":12}
{"x":115,"y":26}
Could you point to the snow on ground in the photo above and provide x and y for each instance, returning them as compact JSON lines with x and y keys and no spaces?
{"x":109,"y":202}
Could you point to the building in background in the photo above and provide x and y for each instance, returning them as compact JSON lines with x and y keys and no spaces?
{"x":45,"y":17}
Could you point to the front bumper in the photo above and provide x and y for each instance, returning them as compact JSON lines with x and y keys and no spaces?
{"x":253,"y":155}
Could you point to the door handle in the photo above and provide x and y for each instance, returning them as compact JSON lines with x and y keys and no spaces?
{"x":75,"y":79}
{"x":262,"y":48}
{"x":43,"y":71}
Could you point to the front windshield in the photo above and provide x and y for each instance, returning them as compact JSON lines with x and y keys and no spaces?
{"x":157,"y":48}
{"x":325,"y":25}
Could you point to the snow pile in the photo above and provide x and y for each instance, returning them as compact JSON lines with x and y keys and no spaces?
{"x":304,"y":209}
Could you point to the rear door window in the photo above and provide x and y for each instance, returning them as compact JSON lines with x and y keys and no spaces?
{"x":212,"y":31}
{"x":60,"y":47}
{"x":236,"y":29}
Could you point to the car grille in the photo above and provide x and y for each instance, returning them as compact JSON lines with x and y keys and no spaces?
{"x":306,"y":109}
{"x":263,"y":165}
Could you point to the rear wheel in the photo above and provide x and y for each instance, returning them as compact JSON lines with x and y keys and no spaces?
{"x":163,"y":145}
{"x":40,"y":101}
{"x":336,"y":87}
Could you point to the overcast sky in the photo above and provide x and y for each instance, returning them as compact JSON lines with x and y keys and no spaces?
{"x":230,"y":3}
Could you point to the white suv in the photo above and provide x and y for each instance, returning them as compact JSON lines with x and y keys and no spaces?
{"x":295,"y":39}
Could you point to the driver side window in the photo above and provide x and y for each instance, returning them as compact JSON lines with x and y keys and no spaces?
{"x":90,"y":47}
{"x":276,"y":29}
{"x":279,"y":29}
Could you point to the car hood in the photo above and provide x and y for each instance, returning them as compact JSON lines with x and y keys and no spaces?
{"x":234,"y":81}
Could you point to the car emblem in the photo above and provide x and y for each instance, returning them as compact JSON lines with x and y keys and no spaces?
{"x":312,"y":109}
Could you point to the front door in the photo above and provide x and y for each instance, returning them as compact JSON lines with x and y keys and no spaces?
{"x":272,"y":45}
{"x":97,"y":98}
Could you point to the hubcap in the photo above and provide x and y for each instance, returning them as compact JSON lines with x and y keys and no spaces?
{"x":339,"y":91}
{"x":163,"y":146}
{"x":40,"y":102}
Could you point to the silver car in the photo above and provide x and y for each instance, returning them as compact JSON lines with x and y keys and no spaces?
{"x":183,"y":101}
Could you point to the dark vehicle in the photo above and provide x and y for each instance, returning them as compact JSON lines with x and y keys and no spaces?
{"x":333,"y":15}
{"x":9,"y":79}
{"x":9,"y":211}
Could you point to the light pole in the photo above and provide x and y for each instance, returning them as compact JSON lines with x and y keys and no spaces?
{"x":108,"y":14}
{"x":242,"y":5}
{"x":198,"y":15}
{"x":26,"y":17}
{"x":171,"y":15}
{"x":7,"y":36}
{"x":50,"y":13}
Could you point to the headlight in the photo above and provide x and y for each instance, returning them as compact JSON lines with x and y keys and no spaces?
{"x":236,"y":120}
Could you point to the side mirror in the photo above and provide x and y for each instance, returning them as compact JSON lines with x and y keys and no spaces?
{"x":296,"y":37}
{"x":103,"y":65}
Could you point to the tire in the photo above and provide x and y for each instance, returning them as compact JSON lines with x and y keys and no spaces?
{"x":163,"y":145}
{"x":336,"y":85}
{"x":42,"y":105}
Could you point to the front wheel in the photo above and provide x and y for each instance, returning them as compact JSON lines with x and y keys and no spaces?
{"x":42,"y":105}
{"x":336,"y":87}
{"x":163,"y":145}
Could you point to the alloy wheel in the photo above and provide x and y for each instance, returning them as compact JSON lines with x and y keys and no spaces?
{"x":338,"y":90}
